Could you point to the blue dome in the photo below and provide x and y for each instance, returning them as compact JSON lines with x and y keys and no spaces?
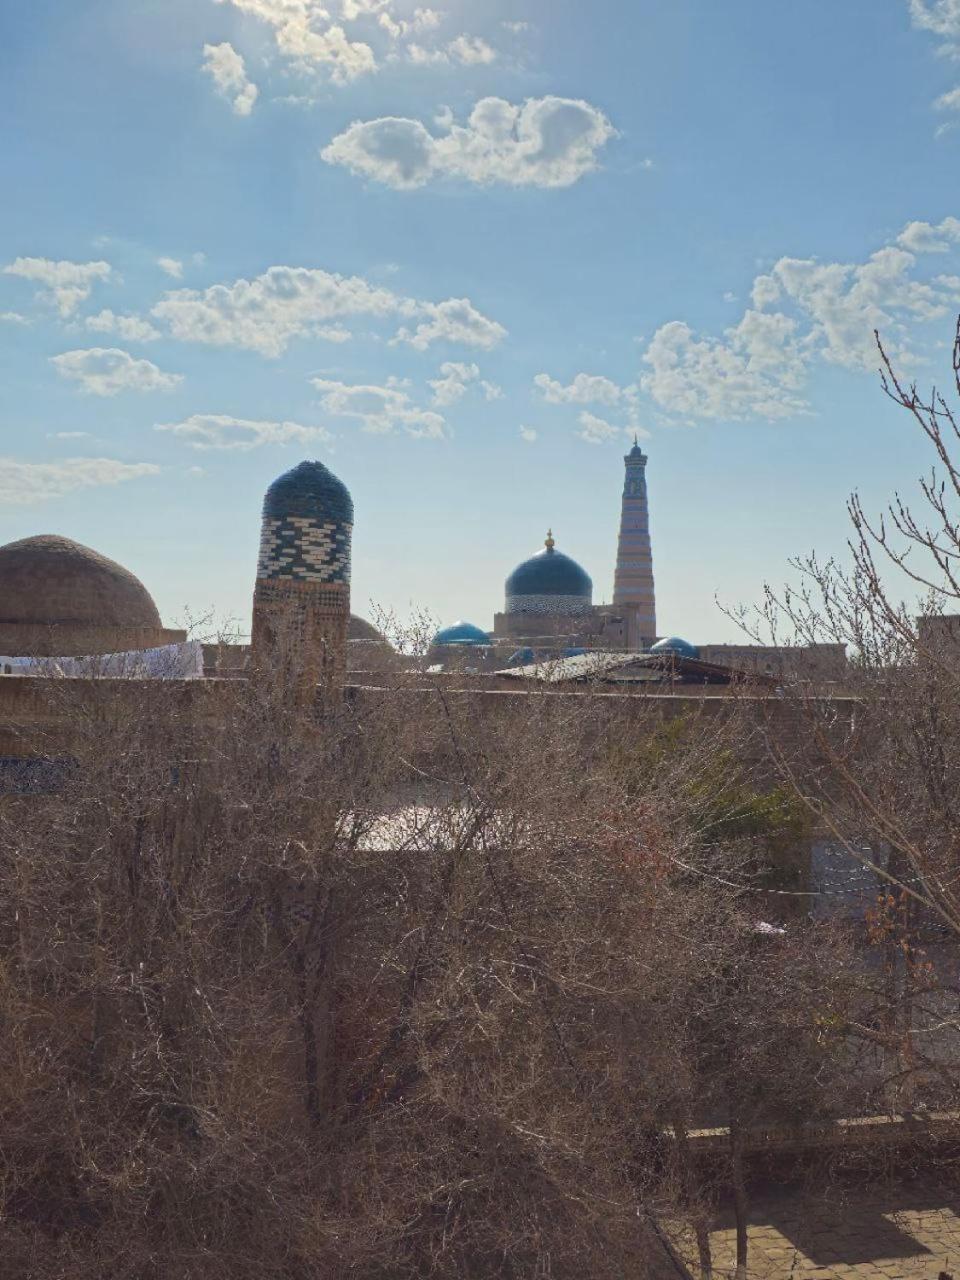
{"x":309,"y":490}
{"x":673,"y":644}
{"x":550,"y":573}
{"x":461,"y":633}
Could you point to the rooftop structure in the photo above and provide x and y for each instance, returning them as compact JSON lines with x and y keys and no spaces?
{"x":673,"y":644}
{"x":549,"y":584}
{"x":301,"y":605}
{"x":461,"y":633}
{"x":61,"y":599}
{"x":633,"y":581}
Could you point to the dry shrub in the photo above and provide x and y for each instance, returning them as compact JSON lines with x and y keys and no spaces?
{"x":379,"y":990}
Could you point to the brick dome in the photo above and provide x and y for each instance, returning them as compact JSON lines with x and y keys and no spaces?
{"x":51,"y":581}
{"x":360,"y":629}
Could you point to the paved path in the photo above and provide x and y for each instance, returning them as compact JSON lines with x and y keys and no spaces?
{"x":901,"y":1231}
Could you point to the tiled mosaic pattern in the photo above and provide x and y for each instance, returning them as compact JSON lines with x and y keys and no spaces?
{"x":304,"y":548}
{"x":549,"y":606}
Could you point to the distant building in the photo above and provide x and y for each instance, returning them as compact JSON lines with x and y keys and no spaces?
{"x":633,"y":590}
{"x":60,"y":599}
{"x":302,"y":596}
{"x":786,"y":662}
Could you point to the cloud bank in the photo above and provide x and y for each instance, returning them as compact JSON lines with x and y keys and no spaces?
{"x":24,"y":483}
{"x":106,"y":371}
{"x":543,"y":142}
{"x":380,"y":409}
{"x":65,"y":284}
{"x":267,"y":313}
{"x":228,"y":71}
{"x":209,"y":431}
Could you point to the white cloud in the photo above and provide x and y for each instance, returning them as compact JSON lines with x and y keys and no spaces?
{"x":457,"y":321}
{"x":925,"y":237}
{"x":452,"y":383}
{"x":844,"y":302}
{"x":545,"y":142}
{"x":65,"y":284}
{"x":265,"y":314}
{"x":471,"y":51}
{"x":13,"y":317}
{"x":206,"y":431}
{"x":24,"y":483}
{"x":454,"y":379}
{"x":765,"y":292}
{"x":305,"y":34}
{"x":334,"y":333}
{"x":398,"y":28}
{"x":311,"y":35}
{"x":586,"y":388}
{"x":516,"y":28}
{"x":172,"y":267}
{"x":736,"y":376}
{"x":942,"y":17}
{"x":68,"y":435}
{"x":229,"y":74}
{"x":466,"y":50}
{"x":106,"y":371}
{"x":596,"y":430}
{"x":826,"y":311}
{"x":379,"y":409}
{"x":129,"y":328}
{"x":528,"y":434}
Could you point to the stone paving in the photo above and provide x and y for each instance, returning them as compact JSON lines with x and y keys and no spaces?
{"x":900,"y":1231}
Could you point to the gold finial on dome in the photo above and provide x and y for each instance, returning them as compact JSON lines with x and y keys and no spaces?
{"x":549,"y":544}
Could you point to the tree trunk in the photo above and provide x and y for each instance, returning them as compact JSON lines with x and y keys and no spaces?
{"x":691,"y":1200}
{"x":740,"y":1206}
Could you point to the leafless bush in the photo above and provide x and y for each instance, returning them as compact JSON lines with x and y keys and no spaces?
{"x":380,"y":987}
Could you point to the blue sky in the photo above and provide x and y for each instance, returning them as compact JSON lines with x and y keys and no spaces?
{"x":460,"y":253}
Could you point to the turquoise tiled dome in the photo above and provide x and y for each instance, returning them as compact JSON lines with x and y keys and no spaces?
{"x":673,"y":644}
{"x":548,"y":574}
{"x":461,"y":633}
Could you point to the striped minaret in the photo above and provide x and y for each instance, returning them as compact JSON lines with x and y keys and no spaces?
{"x":633,"y":581}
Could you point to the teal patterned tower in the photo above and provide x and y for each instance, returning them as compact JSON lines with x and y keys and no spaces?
{"x":301,"y":603}
{"x":633,"y":581}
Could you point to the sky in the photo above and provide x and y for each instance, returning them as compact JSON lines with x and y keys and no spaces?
{"x":461,"y":254}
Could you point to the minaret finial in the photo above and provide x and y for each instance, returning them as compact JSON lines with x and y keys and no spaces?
{"x":549,"y":544}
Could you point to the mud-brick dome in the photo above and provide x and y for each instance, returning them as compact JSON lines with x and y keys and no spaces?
{"x":50,"y":581}
{"x":58,"y":597}
{"x":360,"y":629}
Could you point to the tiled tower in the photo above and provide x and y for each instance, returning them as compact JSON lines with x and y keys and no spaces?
{"x":301,"y":603}
{"x":633,"y":581}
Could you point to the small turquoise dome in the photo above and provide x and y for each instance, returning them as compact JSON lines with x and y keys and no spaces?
{"x":673,"y":644}
{"x":461,"y":633}
{"x":549,"y":576}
